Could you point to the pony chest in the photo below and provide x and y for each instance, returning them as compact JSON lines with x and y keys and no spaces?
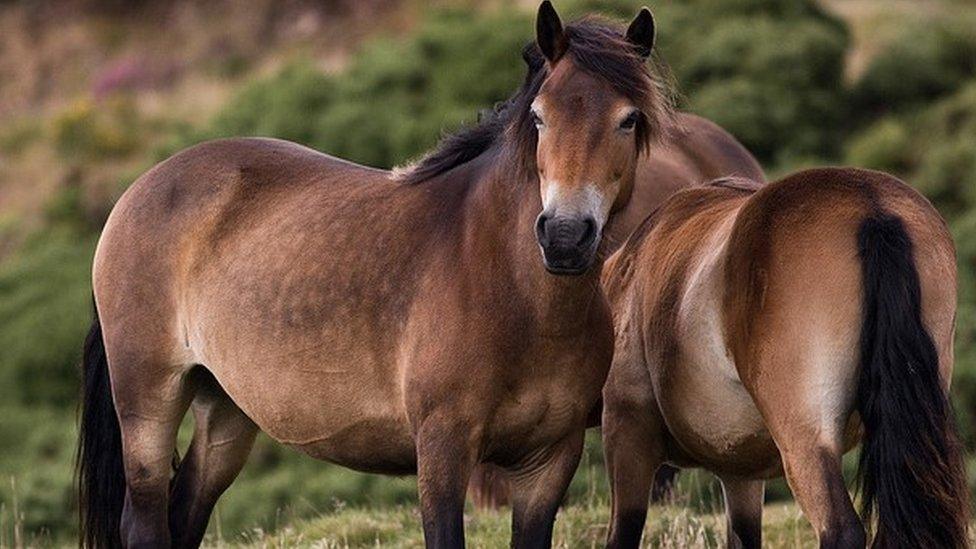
{"x":532,"y":419}
{"x":540,"y":409}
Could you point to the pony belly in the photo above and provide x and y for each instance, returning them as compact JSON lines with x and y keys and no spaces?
{"x":711,"y":416}
{"x":363,"y":434}
{"x":327,"y":412}
{"x":716,"y":425}
{"x":370,"y":446}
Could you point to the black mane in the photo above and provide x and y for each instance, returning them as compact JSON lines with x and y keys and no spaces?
{"x":596,"y":46}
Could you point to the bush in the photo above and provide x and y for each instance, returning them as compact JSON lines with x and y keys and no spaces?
{"x":283,"y":106}
{"x":964,"y":375}
{"x":89,"y":130}
{"x":776,"y":84}
{"x":45,"y":304}
{"x":932,"y":149}
{"x":886,"y":145}
{"x":395,"y":98}
{"x":404,"y":95}
{"x":779,"y":62}
{"x":922,"y":63}
{"x":769,"y":71}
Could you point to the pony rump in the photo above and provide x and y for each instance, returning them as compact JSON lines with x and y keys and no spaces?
{"x":911,"y":473}
{"x":596,"y":46}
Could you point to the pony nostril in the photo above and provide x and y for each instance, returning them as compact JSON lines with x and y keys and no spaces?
{"x":589,"y":232}
{"x":540,"y":229}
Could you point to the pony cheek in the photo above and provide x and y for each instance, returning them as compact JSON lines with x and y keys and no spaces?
{"x":625,"y":190}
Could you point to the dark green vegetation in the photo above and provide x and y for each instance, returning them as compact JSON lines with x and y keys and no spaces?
{"x":770,"y":71}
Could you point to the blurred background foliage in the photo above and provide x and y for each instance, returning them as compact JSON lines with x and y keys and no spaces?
{"x":885,"y":84}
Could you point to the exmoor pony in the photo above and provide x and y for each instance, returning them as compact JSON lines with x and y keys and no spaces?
{"x":767,"y":329}
{"x":693,"y":151}
{"x":420,"y":321}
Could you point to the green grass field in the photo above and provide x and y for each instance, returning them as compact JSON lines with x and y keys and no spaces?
{"x":576,"y":526}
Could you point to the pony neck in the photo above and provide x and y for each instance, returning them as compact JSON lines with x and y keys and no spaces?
{"x":506,"y":196}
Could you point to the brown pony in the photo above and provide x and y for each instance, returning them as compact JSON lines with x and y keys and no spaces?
{"x":693,"y":152}
{"x":391,"y":323}
{"x":762,"y":330}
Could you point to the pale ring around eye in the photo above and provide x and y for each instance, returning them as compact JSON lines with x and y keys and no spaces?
{"x":630,"y":122}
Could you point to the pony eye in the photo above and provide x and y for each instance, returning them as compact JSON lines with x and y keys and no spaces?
{"x":536,"y":119}
{"x":630,"y":122}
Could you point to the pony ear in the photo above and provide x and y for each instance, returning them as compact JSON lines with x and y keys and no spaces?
{"x":641,"y":32}
{"x":549,"y":32}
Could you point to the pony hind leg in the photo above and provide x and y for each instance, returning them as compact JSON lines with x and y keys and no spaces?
{"x":809,"y":426}
{"x":489,"y":487}
{"x":743,"y":511}
{"x":222,"y":439}
{"x":151,"y":402}
{"x":814,"y":475}
{"x":539,"y":486}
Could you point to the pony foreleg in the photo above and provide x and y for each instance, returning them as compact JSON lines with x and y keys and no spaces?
{"x":743,"y":510}
{"x":447,"y":451}
{"x":539,"y":487}
{"x":663,"y":489}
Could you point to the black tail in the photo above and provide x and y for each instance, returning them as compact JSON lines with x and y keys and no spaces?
{"x":911,"y":471}
{"x":101,"y":482}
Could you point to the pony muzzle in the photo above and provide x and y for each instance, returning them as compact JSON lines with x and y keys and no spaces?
{"x":568,"y":243}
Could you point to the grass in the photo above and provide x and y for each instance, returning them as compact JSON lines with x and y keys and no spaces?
{"x":580,"y":526}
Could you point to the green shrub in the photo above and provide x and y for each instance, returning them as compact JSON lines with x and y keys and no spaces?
{"x":922,"y":63}
{"x":886,"y":145}
{"x":89,"y":130}
{"x":45,"y":304}
{"x":932,"y":150}
{"x":775,"y":84}
{"x":964,"y":374}
{"x":18,"y":134}
{"x":395,"y":98}
{"x":283,"y":106}
{"x":769,"y":71}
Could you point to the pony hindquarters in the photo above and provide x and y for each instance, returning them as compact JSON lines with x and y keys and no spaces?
{"x":825,"y":316}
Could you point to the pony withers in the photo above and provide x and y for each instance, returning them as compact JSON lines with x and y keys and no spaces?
{"x":391,"y":323}
{"x":763,"y":330}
